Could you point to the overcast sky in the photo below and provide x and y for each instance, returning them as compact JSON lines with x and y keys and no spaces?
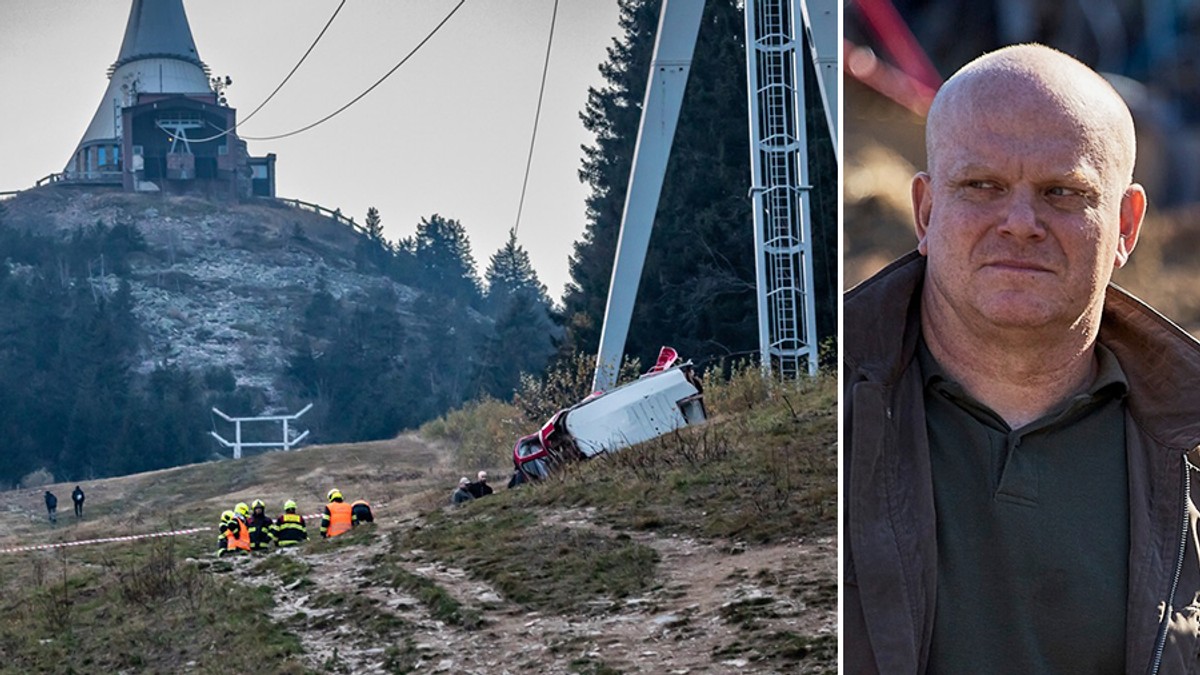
{"x":448,"y":133}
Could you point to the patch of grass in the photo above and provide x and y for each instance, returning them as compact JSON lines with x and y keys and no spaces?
{"x":147,"y":611}
{"x":355,"y":537}
{"x":403,"y":658}
{"x":364,"y":612}
{"x":441,"y":605}
{"x":589,"y":666}
{"x":551,"y":568}
{"x":747,"y":613}
{"x":807,"y":654}
{"x":289,"y":568}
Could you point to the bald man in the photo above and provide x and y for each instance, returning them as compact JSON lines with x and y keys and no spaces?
{"x":1017,"y":489}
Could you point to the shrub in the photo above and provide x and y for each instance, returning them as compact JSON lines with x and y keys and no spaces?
{"x":566,"y":383}
{"x":37,"y":479}
{"x":481,"y":433}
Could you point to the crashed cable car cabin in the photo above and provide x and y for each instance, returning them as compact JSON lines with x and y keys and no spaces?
{"x":667,"y":398}
{"x":162,"y":123}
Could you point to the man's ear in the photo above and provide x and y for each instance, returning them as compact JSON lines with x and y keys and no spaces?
{"x":1133,"y":210}
{"x":922,"y":204}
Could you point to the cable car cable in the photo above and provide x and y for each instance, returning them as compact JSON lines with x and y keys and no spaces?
{"x":285,"y":81}
{"x":536,"y":117}
{"x":378,"y":82}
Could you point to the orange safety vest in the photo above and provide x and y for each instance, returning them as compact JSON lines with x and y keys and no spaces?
{"x":239,"y":540}
{"x":339,"y":518}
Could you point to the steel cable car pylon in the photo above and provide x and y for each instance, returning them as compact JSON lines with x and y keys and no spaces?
{"x":775,"y":42}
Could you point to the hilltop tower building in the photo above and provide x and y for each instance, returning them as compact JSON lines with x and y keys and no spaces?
{"x":162,"y":123}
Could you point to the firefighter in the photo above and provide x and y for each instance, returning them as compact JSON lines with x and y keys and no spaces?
{"x":289,"y":527}
{"x":262,"y":528}
{"x":361,"y":509}
{"x":233,"y":528}
{"x":338,"y":516}
{"x":223,"y":547}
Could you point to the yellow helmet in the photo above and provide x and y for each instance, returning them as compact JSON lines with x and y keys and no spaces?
{"x":289,"y":505}
{"x":227,"y":516}
{"x":333,"y":494}
{"x":241,"y":509}
{"x":257,"y":503}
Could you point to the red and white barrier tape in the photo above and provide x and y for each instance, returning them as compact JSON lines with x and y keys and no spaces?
{"x":106,"y":540}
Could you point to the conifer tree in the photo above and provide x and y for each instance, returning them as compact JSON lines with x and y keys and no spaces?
{"x":442,"y":252}
{"x":522,"y":337}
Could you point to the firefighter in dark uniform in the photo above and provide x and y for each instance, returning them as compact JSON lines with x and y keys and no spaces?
{"x":361,"y":509}
{"x":289,"y":527}
{"x":262,"y":528}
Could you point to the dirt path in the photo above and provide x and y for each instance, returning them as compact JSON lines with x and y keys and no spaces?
{"x":690,"y":623}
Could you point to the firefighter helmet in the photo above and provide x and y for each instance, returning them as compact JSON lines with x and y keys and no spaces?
{"x":333,"y":494}
{"x":258,"y":503}
{"x":241,"y":509}
{"x":289,"y":505}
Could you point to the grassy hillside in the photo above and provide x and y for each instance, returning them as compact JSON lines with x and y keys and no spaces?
{"x":710,"y":550}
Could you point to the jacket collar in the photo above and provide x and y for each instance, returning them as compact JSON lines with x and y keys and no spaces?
{"x":1160,"y":360}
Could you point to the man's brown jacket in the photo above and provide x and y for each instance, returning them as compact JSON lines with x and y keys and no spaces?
{"x":889,"y":534}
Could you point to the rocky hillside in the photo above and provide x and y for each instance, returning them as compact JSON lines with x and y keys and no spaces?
{"x":711,"y":551}
{"x":220,"y":284}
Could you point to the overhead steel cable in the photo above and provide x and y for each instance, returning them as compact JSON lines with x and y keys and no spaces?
{"x":378,"y":82}
{"x":536,"y":117}
{"x":285,"y":81}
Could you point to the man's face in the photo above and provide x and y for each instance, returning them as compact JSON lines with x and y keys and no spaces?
{"x":1024,"y":216}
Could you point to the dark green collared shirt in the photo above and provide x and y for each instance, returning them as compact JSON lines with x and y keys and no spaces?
{"x":1033,"y":530}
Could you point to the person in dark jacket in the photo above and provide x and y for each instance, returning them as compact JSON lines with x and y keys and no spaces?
{"x":262,"y":528}
{"x":290,"y":528}
{"x":52,"y":506}
{"x":480,"y":488}
{"x":77,"y":497}
{"x":462,"y":494}
{"x":361,"y":510}
{"x":1021,"y":437}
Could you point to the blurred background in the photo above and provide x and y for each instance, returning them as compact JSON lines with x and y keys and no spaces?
{"x":897,"y":52}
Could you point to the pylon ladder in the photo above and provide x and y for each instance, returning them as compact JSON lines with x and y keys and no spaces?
{"x":779,"y":176}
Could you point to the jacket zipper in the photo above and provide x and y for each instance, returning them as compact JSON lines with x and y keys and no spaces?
{"x":1161,"y":643}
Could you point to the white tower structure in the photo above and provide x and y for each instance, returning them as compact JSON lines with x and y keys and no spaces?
{"x":158,"y":56}
{"x":776,"y":32}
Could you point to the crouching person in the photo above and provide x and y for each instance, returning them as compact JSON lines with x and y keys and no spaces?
{"x":234,"y":538}
{"x":290,"y":529}
{"x":338,"y":517}
{"x":361,"y":509}
{"x":462,"y":494}
{"x":262,"y":528}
